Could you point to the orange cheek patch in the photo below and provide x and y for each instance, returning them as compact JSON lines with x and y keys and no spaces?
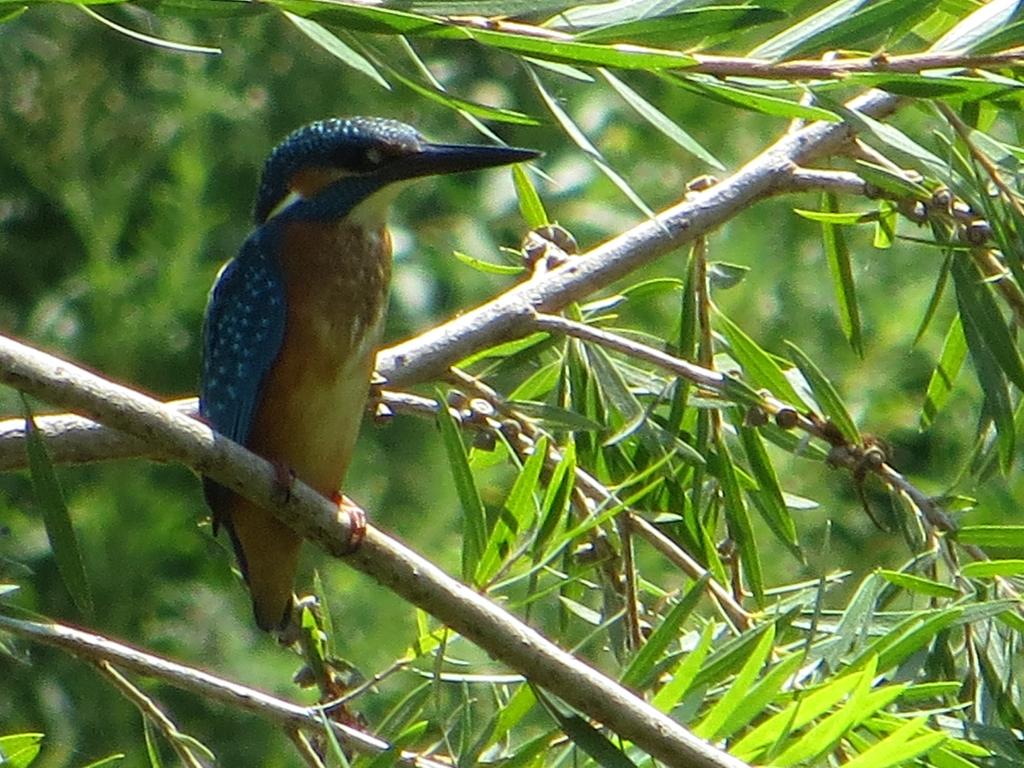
{"x":309,"y":181}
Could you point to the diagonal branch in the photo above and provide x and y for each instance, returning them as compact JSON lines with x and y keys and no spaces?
{"x":509,"y":315}
{"x":390,"y":563}
{"x":105,"y":652}
{"x":170,"y":434}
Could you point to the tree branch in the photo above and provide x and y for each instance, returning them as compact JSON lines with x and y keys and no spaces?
{"x":390,"y":563}
{"x":509,"y":315}
{"x":97,"y":648}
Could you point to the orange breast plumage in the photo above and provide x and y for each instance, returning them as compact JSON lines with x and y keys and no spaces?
{"x":314,"y":394}
{"x":336,"y":277}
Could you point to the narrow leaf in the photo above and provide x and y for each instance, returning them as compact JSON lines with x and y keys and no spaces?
{"x":684,"y":673}
{"x":643,"y":662}
{"x":488,"y":266}
{"x":1006,"y":536}
{"x":740,"y":525}
{"x":617,"y":56}
{"x":530,"y":205}
{"x":661,"y":121}
{"x":825,"y":394}
{"x":838,"y":255}
{"x":989,"y":18}
{"x":718,"y":718}
{"x":947,"y":369}
{"x":517,"y":515}
{"x":56,"y":519}
{"x":334,"y":46}
{"x":987,"y":569}
{"x":586,"y":737}
{"x":773,"y":504}
{"x":919,"y":584}
{"x":979,"y":309}
{"x":794,"y":35}
{"x":759,"y":366}
{"x":474,"y":518}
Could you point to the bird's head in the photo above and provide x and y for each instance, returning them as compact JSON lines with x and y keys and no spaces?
{"x":325,"y":169}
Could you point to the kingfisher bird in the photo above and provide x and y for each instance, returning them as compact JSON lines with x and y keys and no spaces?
{"x":293,"y":321}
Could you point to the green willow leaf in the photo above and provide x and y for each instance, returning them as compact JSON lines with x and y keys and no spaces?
{"x":987,"y":20}
{"x":482,"y":111}
{"x":839,"y":218}
{"x":1008,"y":536}
{"x":987,"y":569}
{"x":19,"y":749}
{"x":768,"y":498}
{"x":638,"y":672}
{"x":796,"y":715}
{"x":474,"y":517}
{"x":947,"y":369}
{"x":56,"y":519}
{"x":837,"y":252}
{"x":554,"y":417}
{"x":797,"y":34}
{"x":756,"y":101}
{"x":740,"y":525}
{"x":517,"y":515}
{"x":826,"y":394}
{"x":937,"y":291}
{"x":899,"y":747}
{"x":340,"y":50}
{"x":12,"y":13}
{"x":936,"y":86}
{"x":890,"y":181}
{"x":365,"y":18}
{"x":683,"y":674}
{"x":530,"y":205}
{"x":661,"y":121}
{"x":585,"y":736}
{"x":488,"y":267}
{"x":992,"y":349}
{"x":686,"y":26}
{"x":565,"y":51}
{"x":580,"y":138}
{"x":918,"y":584}
{"x":759,"y":366}
{"x":719,"y":716}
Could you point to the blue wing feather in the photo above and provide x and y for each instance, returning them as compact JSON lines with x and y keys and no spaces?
{"x":242,"y":334}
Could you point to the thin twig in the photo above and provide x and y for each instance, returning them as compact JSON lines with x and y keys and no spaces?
{"x":96,"y":648}
{"x":835,"y":68}
{"x":964,"y":132}
{"x":150,"y":710}
{"x":395,"y":566}
{"x":305,"y":748}
{"x":509,"y":315}
{"x":768,"y":403}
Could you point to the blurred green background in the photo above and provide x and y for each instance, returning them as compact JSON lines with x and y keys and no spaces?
{"x":127,"y":175}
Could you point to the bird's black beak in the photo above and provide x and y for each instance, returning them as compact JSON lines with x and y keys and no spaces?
{"x":438,"y":159}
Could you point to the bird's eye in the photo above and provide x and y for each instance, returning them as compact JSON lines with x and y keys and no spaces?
{"x":374,"y":156}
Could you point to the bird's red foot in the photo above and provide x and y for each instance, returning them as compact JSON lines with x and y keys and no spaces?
{"x":284,"y":481}
{"x":356,"y":521}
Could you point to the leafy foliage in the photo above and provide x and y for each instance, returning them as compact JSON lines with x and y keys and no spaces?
{"x":682,"y":536}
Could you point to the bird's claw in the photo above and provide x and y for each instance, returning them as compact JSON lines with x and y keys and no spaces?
{"x":356,"y":522}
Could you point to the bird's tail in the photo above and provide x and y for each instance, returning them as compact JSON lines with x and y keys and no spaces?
{"x":268,"y":555}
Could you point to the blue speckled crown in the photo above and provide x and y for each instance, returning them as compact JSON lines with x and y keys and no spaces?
{"x":337,"y":143}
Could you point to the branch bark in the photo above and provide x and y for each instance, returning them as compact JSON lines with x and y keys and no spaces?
{"x":510,"y":315}
{"x":100,"y":649}
{"x":389,"y":562}
{"x":168,"y":433}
